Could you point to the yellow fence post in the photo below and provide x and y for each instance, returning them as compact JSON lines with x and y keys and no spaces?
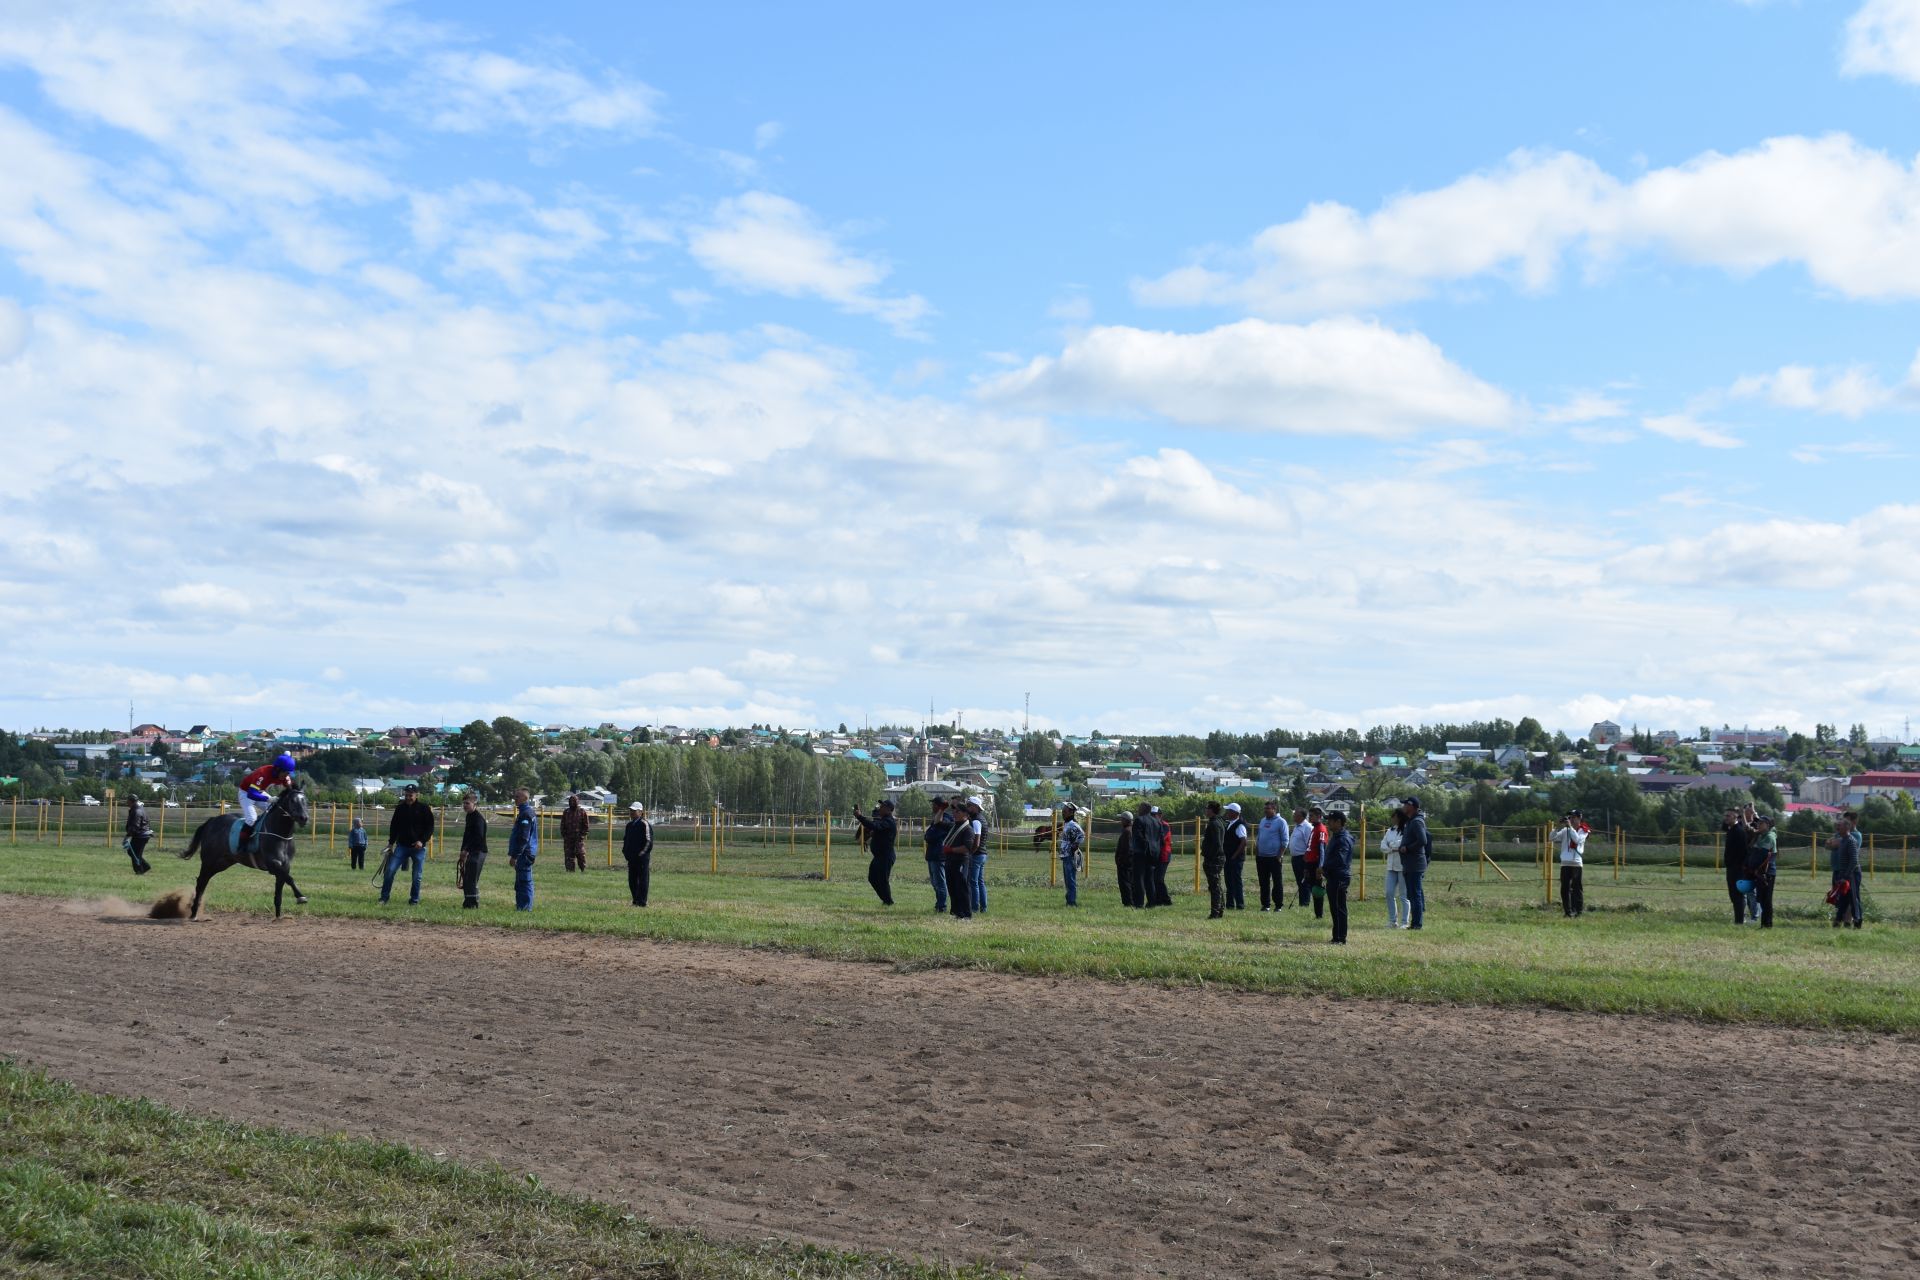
{"x":1619,"y":851}
{"x":333,"y":821}
{"x":1903,"y":857}
{"x":1683,"y":853}
{"x":1546,"y":864}
{"x":60,"y":837}
{"x":1481,"y":862}
{"x":793,"y":835}
{"x":826,"y":851}
{"x":610,"y":817}
{"x":1813,"y":856}
{"x":1870,"y":846}
{"x":107,"y":832}
{"x":13,"y":836}
{"x":713,"y":866}
{"x":162,"y":837}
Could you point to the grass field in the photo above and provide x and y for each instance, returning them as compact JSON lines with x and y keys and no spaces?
{"x":1649,"y":945}
{"x":105,"y":1187}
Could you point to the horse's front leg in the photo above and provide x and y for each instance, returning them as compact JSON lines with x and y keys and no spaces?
{"x":299,"y":898}
{"x":200,"y":890}
{"x":279,"y":886}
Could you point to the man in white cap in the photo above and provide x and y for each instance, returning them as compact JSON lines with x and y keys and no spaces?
{"x":636,"y":846}
{"x":1235,"y":846}
{"x":1072,"y":850}
{"x":977,"y":858}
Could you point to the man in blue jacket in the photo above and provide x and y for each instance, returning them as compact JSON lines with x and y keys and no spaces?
{"x":1336,"y":872}
{"x":1416,"y":846}
{"x":939,"y":827}
{"x":523,"y":846}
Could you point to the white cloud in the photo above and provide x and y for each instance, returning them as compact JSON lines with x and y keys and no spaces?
{"x":767,"y":133}
{"x":1337,"y":376}
{"x":206,"y":597}
{"x":14,"y":328}
{"x":762,"y":242}
{"x":1688,"y":430}
{"x":1846,"y":393}
{"x":1585,"y":406}
{"x":1883,"y":38}
{"x":472,"y":91}
{"x":1847,"y":214}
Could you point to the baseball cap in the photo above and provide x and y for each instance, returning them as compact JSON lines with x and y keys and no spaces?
{"x":636,"y":806}
{"x":976,"y":802}
{"x":1233,"y":807}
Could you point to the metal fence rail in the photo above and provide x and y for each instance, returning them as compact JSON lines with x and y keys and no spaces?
{"x":806,"y":846}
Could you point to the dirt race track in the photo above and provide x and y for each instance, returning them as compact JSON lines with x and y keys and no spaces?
{"x":1071,"y":1128}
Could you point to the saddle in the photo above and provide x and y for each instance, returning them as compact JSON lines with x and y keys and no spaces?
{"x":247,"y":855}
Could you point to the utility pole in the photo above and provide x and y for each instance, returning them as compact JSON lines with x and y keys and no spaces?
{"x":1026,"y":717}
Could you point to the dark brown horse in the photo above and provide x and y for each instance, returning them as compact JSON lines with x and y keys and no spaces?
{"x":270,"y":850}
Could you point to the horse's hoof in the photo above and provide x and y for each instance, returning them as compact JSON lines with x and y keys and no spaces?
{"x":299,"y":902}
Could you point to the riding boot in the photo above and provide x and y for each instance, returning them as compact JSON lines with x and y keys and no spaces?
{"x":246,"y":834}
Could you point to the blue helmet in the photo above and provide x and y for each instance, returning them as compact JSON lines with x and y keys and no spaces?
{"x":285,"y":761}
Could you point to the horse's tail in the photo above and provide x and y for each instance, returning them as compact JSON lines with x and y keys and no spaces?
{"x":193,"y":845}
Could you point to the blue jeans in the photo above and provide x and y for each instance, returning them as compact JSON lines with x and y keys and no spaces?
{"x":1411,"y":871}
{"x":523,"y":884}
{"x":977,"y":877}
{"x":1070,"y":872}
{"x":1398,"y":908}
{"x":402,"y":855}
{"x":937,"y":875}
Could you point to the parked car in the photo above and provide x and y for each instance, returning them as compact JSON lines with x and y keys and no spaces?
{"x":90,"y":802}
{"x":171,"y":804}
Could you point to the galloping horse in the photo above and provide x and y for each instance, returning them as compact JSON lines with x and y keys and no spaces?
{"x":271,"y":850}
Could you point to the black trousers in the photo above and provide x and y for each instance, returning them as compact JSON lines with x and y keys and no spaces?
{"x":1236,"y":884}
{"x":1302,"y":880}
{"x":1123,"y":872}
{"x":1273,"y":883}
{"x":959,"y":888}
{"x":1144,"y":893}
{"x":470,"y":878}
{"x":639,"y":877}
{"x":356,"y":858}
{"x":1763,"y":890}
{"x":1216,"y":869}
{"x":1337,"y":904}
{"x":1573,"y":893}
{"x":1734,"y":876}
{"x":880,"y":876}
{"x":137,"y":850}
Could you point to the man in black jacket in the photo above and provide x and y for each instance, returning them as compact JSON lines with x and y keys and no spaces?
{"x":1416,"y":847}
{"x":473,"y":851}
{"x":407,"y":837}
{"x":139,"y":831}
{"x":1336,"y":872}
{"x":881,"y":831}
{"x":1147,"y":829}
{"x":939,"y":827}
{"x":636,"y":846}
{"x":1213,"y":860}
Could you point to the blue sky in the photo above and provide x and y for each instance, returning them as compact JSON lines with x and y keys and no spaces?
{"x":1244,"y":366}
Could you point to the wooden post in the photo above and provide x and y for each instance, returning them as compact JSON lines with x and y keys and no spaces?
{"x":13,"y":835}
{"x":333,"y":821}
{"x":1870,"y":847}
{"x":826,"y":852}
{"x":162,"y":837}
{"x":1197,"y":822}
{"x":1363,"y":851}
{"x":1619,"y":851}
{"x":1683,"y":853}
{"x":793,"y":834}
{"x":1813,"y":855}
{"x":108,"y":832}
{"x":610,"y":818}
{"x":1481,"y":864}
{"x":713,"y":867}
{"x":60,"y":837}
{"x":1546,"y":863}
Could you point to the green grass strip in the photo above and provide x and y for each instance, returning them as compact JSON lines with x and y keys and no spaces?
{"x":1652,"y":943}
{"x":97,"y":1187}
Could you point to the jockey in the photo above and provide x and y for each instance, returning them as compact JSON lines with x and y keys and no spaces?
{"x":277,"y":774}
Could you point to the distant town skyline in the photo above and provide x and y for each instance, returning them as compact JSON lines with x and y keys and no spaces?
{"x":378,"y":362}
